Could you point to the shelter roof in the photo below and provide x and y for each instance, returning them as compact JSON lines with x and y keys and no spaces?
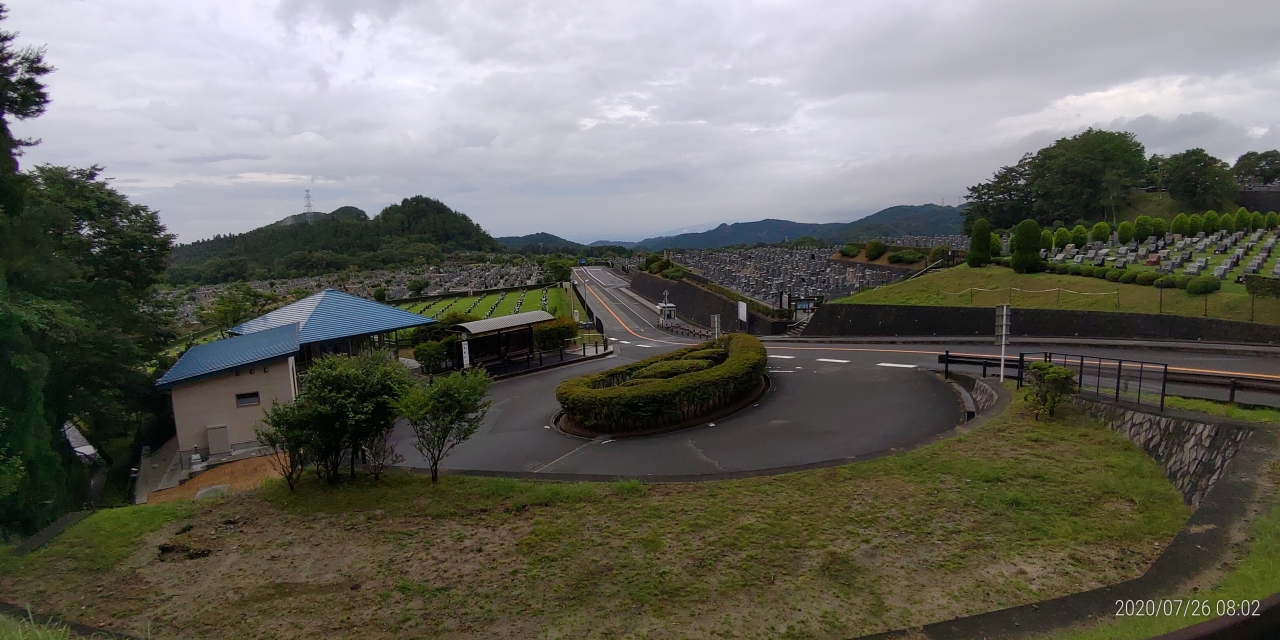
{"x":333,"y":315}
{"x":489,"y":325}
{"x":229,"y":353}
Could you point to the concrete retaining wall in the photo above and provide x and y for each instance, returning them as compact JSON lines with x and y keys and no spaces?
{"x":912,"y":320}
{"x":1194,"y":453}
{"x":983,"y":395}
{"x":697,"y":305}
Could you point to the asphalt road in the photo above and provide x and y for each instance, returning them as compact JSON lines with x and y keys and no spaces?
{"x":828,"y":401}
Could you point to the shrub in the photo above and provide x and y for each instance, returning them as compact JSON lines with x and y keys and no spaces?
{"x":1077,"y":269}
{"x":850,"y":251}
{"x":1181,"y":281}
{"x":1166,"y":282}
{"x":1080,"y":236}
{"x":979,"y":244}
{"x":674,"y":273}
{"x":601,"y":403}
{"x":1159,"y":226}
{"x":671,"y":368}
{"x":552,"y":335}
{"x":1061,"y":269}
{"x":1142,"y":228}
{"x":907,"y":256}
{"x":1101,"y":232}
{"x":1086,"y":270}
{"x":430,"y":355}
{"x":1004,"y":261}
{"x":380,"y":294}
{"x":997,"y":246}
{"x":1203,"y":285}
{"x":1062,"y":237}
{"x":1124,"y":233}
{"x":1026,"y":247}
{"x":1195,"y":224}
{"x":1181,"y":224}
{"x":874,"y":250}
{"x":714,"y":355}
{"x":1114,"y":275}
{"x":937,"y":254}
{"x":1211,"y":222}
{"x":1146,"y":278}
{"x":1047,"y":385}
{"x":1272,"y":220}
{"x":1100,"y":272}
{"x":1259,"y":221}
{"x":1128,"y":277}
{"x":1046,"y":239}
{"x":1227,"y":222}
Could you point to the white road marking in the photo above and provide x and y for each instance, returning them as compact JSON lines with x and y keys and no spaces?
{"x":623,"y":341}
{"x":833,"y":360}
{"x":783,"y":357}
{"x":647,"y":346}
{"x":894,"y":364}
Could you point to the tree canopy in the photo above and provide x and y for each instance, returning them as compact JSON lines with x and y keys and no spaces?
{"x":1198,"y":179}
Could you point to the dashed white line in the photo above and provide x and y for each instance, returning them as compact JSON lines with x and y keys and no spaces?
{"x":894,"y":364}
{"x":783,"y":357}
{"x":647,"y":346}
{"x":833,"y":360}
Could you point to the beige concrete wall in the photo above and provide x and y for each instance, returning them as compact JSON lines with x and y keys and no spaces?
{"x":212,"y":401}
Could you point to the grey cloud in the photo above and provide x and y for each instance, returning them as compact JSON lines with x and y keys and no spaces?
{"x":619,"y":119}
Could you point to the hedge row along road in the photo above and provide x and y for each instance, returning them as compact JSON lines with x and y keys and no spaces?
{"x":829,"y":401}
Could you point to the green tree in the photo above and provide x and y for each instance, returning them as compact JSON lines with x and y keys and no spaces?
{"x":874,"y":250}
{"x":979,"y":244}
{"x":997,"y":244}
{"x":237,"y":303}
{"x":445,"y":413}
{"x":1198,"y":179}
{"x":1046,"y":239}
{"x":1254,"y":168}
{"x":1086,"y":175}
{"x":1026,"y":247}
{"x":1047,"y":385}
{"x":1124,"y":233}
{"x":561,"y":270}
{"x":1273,"y":220}
{"x":1259,"y":221}
{"x":351,"y":403}
{"x":1212,"y":222}
{"x":286,"y":432}
{"x":1080,"y":236}
{"x":1142,"y":228}
{"x":1004,"y":199}
{"x":1195,"y":224}
{"x":1101,"y":232}
{"x":1181,"y":224}
{"x":380,"y":294}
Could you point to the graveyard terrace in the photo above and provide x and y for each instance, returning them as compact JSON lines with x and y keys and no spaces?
{"x":1228,"y":256}
{"x":765,"y":272}
{"x":450,"y":276}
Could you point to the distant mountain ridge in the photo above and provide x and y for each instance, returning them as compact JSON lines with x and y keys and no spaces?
{"x":902,"y":220}
{"x":540,"y":240}
{"x":341,"y":213}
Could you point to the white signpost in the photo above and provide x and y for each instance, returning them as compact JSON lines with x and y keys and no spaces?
{"x":715,"y":326}
{"x":1003,"y":313}
{"x":466,"y":355}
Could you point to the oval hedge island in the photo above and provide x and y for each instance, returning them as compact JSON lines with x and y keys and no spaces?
{"x":671,"y":391}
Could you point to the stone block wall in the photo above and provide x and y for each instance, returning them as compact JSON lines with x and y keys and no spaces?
{"x":983,"y":395}
{"x":1194,"y":453}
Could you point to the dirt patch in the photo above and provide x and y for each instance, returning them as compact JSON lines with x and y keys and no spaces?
{"x":241,"y":475}
{"x":170,"y":552}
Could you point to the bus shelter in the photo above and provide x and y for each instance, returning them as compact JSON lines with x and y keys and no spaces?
{"x":495,"y":340}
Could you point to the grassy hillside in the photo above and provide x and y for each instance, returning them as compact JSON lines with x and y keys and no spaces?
{"x":990,"y":286}
{"x":1016,"y":511}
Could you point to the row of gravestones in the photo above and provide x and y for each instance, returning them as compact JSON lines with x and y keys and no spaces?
{"x":764,"y":272}
{"x":1173,"y":252}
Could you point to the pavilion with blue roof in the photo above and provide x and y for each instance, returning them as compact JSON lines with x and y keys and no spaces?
{"x":220,"y":389}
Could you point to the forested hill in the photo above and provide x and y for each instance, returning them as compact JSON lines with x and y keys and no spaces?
{"x":539,"y":240}
{"x":416,"y":228}
{"x":921,"y":220}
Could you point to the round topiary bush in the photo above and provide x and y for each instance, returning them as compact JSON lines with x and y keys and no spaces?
{"x":1061,"y":269}
{"x":1181,"y":281}
{"x":1146,"y":278}
{"x":874,"y":250}
{"x":1114,"y":275}
{"x":1086,"y":270}
{"x":1128,"y":277}
{"x":1100,"y":272}
{"x":906,"y":256}
{"x":1076,"y":269}
{"x":615,"y":401}
{"x":1166,"y":282}
{"x":1203,"y":285}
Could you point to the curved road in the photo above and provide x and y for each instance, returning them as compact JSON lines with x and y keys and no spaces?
{"x":827,"y":402}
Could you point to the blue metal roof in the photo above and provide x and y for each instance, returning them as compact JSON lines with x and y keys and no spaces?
{"x":220,"y":355}
{"x":333,"y":315}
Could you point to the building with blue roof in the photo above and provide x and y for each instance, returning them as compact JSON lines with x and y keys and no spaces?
{"x":220,"y":389}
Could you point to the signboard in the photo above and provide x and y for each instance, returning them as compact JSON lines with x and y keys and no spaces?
{"x":1003,"y":321}
{"x":582,"y":260}
{"x":715,"y":326}
{"x":742,"y":311}
{"x":466,"y":355}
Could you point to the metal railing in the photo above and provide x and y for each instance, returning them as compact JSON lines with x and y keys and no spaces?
{"x":1111,"y":379}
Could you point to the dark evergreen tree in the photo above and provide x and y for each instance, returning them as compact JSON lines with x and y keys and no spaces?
{"x":1026,"y":247}
{"x":979,"y":244}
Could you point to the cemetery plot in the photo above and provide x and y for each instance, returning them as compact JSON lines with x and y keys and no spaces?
{"x":764,"y":273}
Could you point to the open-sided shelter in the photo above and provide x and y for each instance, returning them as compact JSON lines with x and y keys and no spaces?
{"x":498,"y":339}
{"x":220,"y":389}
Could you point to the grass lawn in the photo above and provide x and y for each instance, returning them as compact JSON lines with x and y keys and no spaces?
{"x":1254,"y":576}
{"x":1013,"y":512}
{"x":25,"y":629}
{"x":1228,"y":409}
{"x":951,"y":287}
{"x":561,"y":303}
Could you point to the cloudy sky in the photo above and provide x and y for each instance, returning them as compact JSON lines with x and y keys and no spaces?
{"x":623,"y":119}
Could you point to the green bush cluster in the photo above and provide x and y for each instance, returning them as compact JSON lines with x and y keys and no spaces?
{"x":605,"y":402}
{"x":552,"y":335}
{"x":1203,"y":285}
{"x":874,"y":250}
{"x":907,"y":256}
{"x":670,"y":369}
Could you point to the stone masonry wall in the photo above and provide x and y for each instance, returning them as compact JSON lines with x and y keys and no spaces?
{"x":1194,"y":453}
{"x":983,"y":396}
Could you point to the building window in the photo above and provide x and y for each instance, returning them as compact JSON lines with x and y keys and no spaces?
{"x":247,"y":399}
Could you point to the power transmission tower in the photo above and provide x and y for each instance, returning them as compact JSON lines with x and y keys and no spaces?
{"x":306,"y":202}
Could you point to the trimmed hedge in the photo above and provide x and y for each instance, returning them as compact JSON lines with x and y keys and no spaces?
{"x":603,"y":402}
{"x":670,"y":369}
{"x":1147,"y":278}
